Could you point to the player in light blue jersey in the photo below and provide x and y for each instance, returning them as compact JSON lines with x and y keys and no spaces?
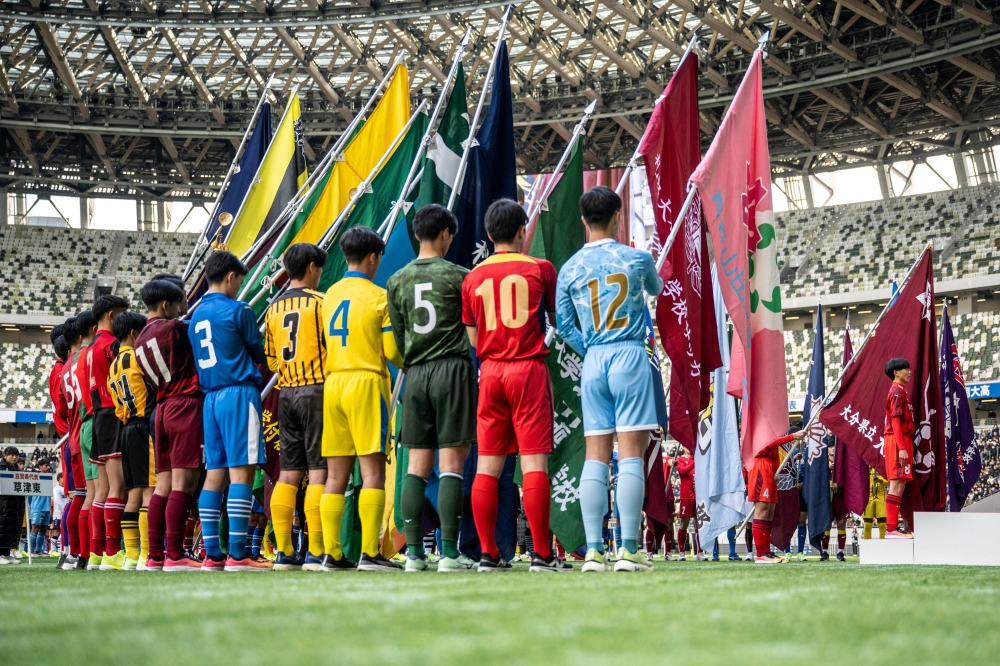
{"x":227,"y":344}
{"x":599,"y":312}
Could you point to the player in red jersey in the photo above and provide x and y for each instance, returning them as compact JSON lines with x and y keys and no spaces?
{"x":91,"y":513}
{"x":763,"y":492}
{"x":167,"y":361}
{"x":504,"y":304}
{"x":685,"y":469}
{"x":60,"y":419}
{"x":899,"y":431}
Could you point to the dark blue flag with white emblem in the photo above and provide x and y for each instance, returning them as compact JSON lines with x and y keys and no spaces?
{"x":965,"y":462}
{"x":816,"y":481}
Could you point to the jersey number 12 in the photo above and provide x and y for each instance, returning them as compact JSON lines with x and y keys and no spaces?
{"x":612,"y":321}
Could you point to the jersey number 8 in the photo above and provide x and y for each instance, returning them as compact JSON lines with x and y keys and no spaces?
{"x":513,"y":302}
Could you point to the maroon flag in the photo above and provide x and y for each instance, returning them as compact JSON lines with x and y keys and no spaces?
{"x":685,"y":311}
{"x":655,"y":502}
{"x":850,"y":472}
{"x":857,"y":414}
{"x":785,"y":521}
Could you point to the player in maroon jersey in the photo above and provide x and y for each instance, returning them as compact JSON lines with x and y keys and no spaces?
{"x":167,"y":361}
{"x":504,"y":304}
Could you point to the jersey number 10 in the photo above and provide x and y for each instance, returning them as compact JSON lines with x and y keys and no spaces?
{"x":513,"y":302}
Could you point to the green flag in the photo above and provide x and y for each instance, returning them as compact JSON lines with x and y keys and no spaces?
{"x":562,"y":234}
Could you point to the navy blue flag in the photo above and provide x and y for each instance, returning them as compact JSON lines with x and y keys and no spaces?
{"x":816,"y":481}
{"x":241,"y":181}
{"x":965,"y":462}
{"x":491,"y":173}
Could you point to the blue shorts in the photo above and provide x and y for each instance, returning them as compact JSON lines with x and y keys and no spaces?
{"x":617,"y":389}
{"x":256,"y":507}
{"x":234,"y":433}
{"x":40,"y":518}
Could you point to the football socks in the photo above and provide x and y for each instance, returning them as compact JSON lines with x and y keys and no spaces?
{"x":450,"y":500}
{"x":594,"y":502}
{"x":841,"y":540}
{"x":238,"y":504}
{"x":97,"y":527}
{"x":143,"y":534}
{"x":331,"y":511}
{"x":256,"y":541}
{"x":314,"y":492}
{"x":282,"y":513}
{"x":537,"y":500}
{"x":762,"y":536}
{"x":412,"y":507}
{"x":73,"y":521}
{"x":178,"y":507}
{"x":113,"y":509}
{"x":157,"y":518}
{"x":209,"y":510}
{"x":484,"y":511}
{"x":83,"y":528}
{"x":371,"y":506}
{"x":631,"y":489}
{"x":130,"y":533}
{"x":868,"y":528}
{"x":892,"y":504}
{"x":802,"y":538}
{"x":825,"y":541}
{"x":881,"y":527}
{"x":731,"y":537}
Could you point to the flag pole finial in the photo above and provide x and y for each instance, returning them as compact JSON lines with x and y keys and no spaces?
{"x":762,"y":42}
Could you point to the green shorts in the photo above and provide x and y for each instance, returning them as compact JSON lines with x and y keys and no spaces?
{"x":439,"y":404}
{"x":86,"y":444}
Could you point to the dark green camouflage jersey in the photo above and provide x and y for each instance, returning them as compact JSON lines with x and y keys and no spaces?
{"x":425,"y":306}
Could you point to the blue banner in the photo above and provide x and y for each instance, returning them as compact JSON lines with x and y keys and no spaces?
{"x":964,"y":459}
{"x":816,"y":484}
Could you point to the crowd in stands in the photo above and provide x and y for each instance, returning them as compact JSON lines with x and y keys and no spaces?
{"x":989,"y":479}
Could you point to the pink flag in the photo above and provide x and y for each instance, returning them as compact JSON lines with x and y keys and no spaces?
{"x":685,"y":311}
{"x":734,"y":181}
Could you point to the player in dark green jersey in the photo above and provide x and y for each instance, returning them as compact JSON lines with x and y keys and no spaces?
{"x":439,"y":403}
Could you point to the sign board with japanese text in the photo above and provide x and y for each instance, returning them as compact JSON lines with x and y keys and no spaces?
{"x":26,"y":483}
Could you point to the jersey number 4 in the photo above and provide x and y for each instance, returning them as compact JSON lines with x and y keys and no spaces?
{"x":611,"y":320}
{"x":340,"y":315}
{"x":513,"y":302}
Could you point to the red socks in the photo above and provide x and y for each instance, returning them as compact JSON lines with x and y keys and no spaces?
{"x":892,"y":504}
{"x":682,"y":540}
{"x":762,"y":536}
{"x":189,"y":533}
{"x":825,"y":541}
{"x":841,"y":540}
{"x":156,"y":519}
{"x":97,"y":539}
{"x":113,"y":509}
{"x":73,"y":524}
{"x":484,"y":512}
{"x":83,"y":531}
{"x":537,"y":502}
{"x":177,"y":511}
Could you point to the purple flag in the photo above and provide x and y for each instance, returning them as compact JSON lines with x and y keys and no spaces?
{"x":964,"y":460}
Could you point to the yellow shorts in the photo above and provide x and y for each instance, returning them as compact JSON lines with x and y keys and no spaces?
{"x":875,"y":509}
{"x":355,"y":413}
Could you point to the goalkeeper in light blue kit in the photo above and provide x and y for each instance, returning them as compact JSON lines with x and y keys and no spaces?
{"x":599,"y":312}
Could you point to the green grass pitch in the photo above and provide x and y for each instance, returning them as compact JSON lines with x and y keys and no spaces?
{"x":732,"y":613}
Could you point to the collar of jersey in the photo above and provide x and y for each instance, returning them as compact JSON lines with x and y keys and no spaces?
{"x":600,"y":242}
{"x":357,"y":274}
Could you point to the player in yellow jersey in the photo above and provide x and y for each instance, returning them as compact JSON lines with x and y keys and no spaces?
{"x":296,"y":349}
{"x":133,"y":403}
{"x":356,"y":398}
{"x":878,"y":487}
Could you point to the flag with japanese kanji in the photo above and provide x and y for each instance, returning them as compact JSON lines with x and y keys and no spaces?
{"x":850,"y":471}
{"x":685,"y":310}
{"x":857,"y":413}
{"x":734,"y":181}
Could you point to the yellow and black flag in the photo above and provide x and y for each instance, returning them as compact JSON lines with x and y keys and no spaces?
{"x":280,"y":175}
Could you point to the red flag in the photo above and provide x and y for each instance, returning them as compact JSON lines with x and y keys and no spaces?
{"x":850,"y":472}
{"x":857,"y":414}
{"x":685,"y":311}
{"x":655,"y":502}
{"x":785,"y":521}
{"x":734,"y":181}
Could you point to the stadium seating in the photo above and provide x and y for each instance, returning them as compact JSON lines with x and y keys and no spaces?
{"x":24,"y":371}
{"x":148,"y":253}
{"x":798,"y":354}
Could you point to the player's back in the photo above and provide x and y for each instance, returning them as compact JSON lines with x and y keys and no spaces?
{"x":164,"y":352}
{"x":294,"y":337}
{"x":223,"y":334}
{"x":128,"y":387}
{"x":506,"y":298}
{"x":99,"y":355}
{"x":601,"y":287}
{"x":73,"y":396}
{"x":57,"y":396}
{"x":82,"y":380}
{"x":425,"y":306}
{"x":356,"y":314}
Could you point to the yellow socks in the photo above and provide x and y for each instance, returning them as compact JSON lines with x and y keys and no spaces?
{"x":331,"y":511}
{"x":881,"y":528}
{"x":143,"y":535}
{"x":314,"y":494}
{"x":868,"y":528}
{"x":130,"y":533}
{"x":371,"y":505}
{"x":282,"y":512}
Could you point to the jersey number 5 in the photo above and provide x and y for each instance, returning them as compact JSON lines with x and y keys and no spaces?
{"x":422,"y":303}
{"x":513,"y":302}
{"x":204,"y":326}
{"x":340,"y":314}
{"x":612,"y":321}
{"x":290,"y":323}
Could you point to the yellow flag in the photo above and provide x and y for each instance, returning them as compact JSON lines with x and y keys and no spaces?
{"x":360,"y":157}
{"x":282,"y":172}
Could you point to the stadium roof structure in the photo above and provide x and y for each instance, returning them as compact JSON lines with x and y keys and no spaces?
{"x":146,"y":99}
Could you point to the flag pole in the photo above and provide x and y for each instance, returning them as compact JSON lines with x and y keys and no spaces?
{"x":487,"y":83}
{"x":386,"y":227}
{"x":871,"y":332}
{"x":361,"y":189}
{"x":233,"y":167}
{"x":538,"y":202}
{"x":634,"y":160}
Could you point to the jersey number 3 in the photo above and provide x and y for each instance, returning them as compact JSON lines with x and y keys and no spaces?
{"x":612,"y":321}
{"x":204,"y":327}
{"x":290,"y":323}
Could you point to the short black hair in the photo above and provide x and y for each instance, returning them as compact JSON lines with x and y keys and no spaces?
{"x":84,"y":322}
{"x":431,"y":220}
{"x":56,"y":332}
{"x":298,"y":257}
{"x":70,"y":332}
{"x":156,"y":291}
{"x":358,"y":242}
{"x":171,"y":277}
{"x":44,"y":461}
{"x":599,"y":205}
{"x":127,"y":322}
{"x":221,"y":264}
{"x":11,"y":451}
{"x":107,"y":302}
{"x":895,"y":364}
{"x":504,"y":218}
{"x":61,"y":348}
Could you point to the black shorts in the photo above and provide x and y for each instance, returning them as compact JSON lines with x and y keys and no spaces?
{"x":300,"y":424}
{"x":439,"y":404}
{"x":106,"y":427}
{"x":137,"y":455}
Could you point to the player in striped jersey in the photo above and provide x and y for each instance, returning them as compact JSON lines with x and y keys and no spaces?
{"x":296,"y":349}
{"x":133,"y":405}
{"x":356,"y":398}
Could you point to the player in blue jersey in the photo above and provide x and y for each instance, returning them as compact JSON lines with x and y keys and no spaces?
{"x":227,"y":344}
{"x":599,"y":312}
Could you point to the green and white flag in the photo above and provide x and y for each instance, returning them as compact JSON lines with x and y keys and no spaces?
{"x":445,"y":152}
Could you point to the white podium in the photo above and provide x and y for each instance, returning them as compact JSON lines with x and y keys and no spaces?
{"x":885,"y":551}
{"x":970,"y":539}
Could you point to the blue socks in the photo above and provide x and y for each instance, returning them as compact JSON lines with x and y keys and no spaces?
{"x":802,"y":538}
{"x":731,"y":536}
{"x":631,"y":489}
{"x":210,"y":510}
{"x":238,"y":507}
{"x":258,"y":540}
{"x":594,"y":501}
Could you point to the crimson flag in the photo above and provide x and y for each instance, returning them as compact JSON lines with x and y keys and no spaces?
{"x":857,"y":414}
{"x":685,"y":310}
{"x":850,"y":472}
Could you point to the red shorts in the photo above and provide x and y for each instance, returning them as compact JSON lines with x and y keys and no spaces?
{"x":178,"y":433}
{"x":76,"y":468}
{"x":687,"y":508}
{"x":893,"y":470}
{"x":760,"y":484}
{"x":515,"y":408}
